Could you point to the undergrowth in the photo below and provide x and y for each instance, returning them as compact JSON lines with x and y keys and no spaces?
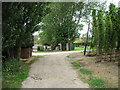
{"x":15,"y":72}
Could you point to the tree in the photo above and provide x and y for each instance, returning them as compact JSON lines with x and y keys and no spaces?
{"x":106,"y":29}
{"x":17,"y":31}
{"x":118,"y":28}
{"x":101,"y":30}
{"x":108,"y":32}
{"x":60,"y":22}
{"x":87,"y":13}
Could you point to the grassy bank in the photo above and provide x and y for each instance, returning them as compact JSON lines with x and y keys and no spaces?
{"x":15,"y":72}
{"x":92,"y":72}
{"x":87,"y":76}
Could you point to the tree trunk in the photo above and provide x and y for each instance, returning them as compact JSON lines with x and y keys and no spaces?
{"x":87,"y":38}
{"x":17,"y":52}
{"x":69,"y":46}
{"x":53,"y":47}
{"x":118,"y":46}
{"x":63,"y":46}
{"x":12,"y":52}
{"x":8,"y":53}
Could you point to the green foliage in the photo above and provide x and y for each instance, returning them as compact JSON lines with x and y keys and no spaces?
{"x":40,"y":48}
{"x":15,"y":72}
{"x":118,"y":28}
{"x":105,"y":29}
{"x":96,"y":82}
{"x":108,"y":32}
{"x":85,"y":71}
{"x":101,"y":29}
{"x":70,"y":56}
{"x":60,"y":22}
{"x":15,"y":80}
{"x":17,"y":31}
{"x":77,"y":44}
{"x":81,"y":48}
{"x":75,"y":64}
{"x":12,"y":66}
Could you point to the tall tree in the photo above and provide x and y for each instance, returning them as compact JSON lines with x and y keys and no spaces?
{"x":17,"y":31}
{"x":60,"y":22}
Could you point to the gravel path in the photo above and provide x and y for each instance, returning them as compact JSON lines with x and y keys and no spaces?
{"x":53,"y":71}
{"x":53,"y":53}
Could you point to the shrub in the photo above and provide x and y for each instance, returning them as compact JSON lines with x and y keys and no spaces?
{"x":11,"y":66}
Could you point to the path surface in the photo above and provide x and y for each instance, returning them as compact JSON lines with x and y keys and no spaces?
{"x":53,"y":53}
{"x":53,"y":71}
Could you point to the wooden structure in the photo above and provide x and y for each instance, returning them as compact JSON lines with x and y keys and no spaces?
{"x":26,"y":52}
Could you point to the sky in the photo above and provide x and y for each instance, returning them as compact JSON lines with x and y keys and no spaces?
{"x":85,"y":25}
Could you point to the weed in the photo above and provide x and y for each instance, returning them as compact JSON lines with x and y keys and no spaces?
{"x":69,"y":56}
{"x":75,"y":64}
{"x":96,"y":82}
{"x":15,"y":72}
{"x":85,"y":71}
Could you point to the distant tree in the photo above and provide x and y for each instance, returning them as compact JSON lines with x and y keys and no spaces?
{"x":58,"y":26}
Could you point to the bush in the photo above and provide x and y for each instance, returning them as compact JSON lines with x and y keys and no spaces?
{"x":12,"y":66}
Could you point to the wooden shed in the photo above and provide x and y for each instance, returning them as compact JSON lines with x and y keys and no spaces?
{"x":26,"y":52}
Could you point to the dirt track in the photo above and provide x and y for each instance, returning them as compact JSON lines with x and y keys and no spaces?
{"x":53,"y":71}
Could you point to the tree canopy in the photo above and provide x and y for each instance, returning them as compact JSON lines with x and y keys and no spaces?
{"x":19,"y":22}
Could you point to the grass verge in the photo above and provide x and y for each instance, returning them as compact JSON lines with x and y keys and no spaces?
{"x":15,"y":72}
{"x":76,"y":65}
{"x":96,"y":82}
{"x":85,"y":71}
{"x":70,"y":56}
{"x":87,"y":76}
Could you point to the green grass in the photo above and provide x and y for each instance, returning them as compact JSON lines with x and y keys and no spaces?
{"x":96,"y":82}
{"x":82,"y":48}
{"x":75,"y":64}
{"x":15,"y":80}
{"x":70,"y":56}
{"x":85,"y":71}
{"x":37,"y":44}
{"x":15,"y":73}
